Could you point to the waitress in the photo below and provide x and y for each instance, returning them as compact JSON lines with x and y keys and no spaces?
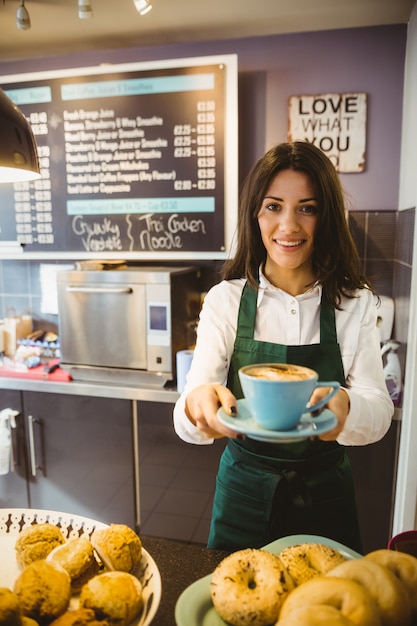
{"x":293,"y":293}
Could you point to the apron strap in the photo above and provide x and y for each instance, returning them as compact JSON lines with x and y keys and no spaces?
{"x":328,"y":332}
{"x":247,"y":312}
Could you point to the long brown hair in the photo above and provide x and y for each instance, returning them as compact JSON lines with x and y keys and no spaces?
{"x":336,"y":262}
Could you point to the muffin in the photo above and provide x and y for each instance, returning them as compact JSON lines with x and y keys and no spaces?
{"x":36,"y":542}
{"x":78,"y":617}
{"x":44,"y":591}
{"x":77,"y":557}
{"x":28,"y":621}
{"x":113,"y":596}
{"x":10,"y":613}
{"x":118,"y":547}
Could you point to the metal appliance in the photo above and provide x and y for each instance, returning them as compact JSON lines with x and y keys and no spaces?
{"x":126,"y":325}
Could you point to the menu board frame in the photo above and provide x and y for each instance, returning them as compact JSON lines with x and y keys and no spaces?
{"x":189,"y":222}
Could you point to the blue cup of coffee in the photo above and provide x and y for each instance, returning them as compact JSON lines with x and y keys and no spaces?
{"x":277,"y":394}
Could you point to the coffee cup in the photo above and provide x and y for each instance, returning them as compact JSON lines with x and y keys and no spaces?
{"x":277,"y":394}
{"x":405,"y":541}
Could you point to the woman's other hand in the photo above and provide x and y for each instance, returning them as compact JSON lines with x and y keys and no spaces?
{"x":202,"y":404}
{"x":339,"y":405}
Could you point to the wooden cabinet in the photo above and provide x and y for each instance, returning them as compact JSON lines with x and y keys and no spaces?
{"x":14,"y":486}
{"x":73,"y":454}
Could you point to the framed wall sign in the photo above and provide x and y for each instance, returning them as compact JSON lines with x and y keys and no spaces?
{"x":336,"y":123}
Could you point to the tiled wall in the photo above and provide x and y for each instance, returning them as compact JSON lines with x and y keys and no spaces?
{"x":20,"y":290}
{"x":385,"y":243}
{"x":403,"y":260}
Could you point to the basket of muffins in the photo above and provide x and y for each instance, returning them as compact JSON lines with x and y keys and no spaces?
{"x":62,"y":570}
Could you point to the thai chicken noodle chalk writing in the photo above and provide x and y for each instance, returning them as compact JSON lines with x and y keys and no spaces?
{"x":160,"y":234}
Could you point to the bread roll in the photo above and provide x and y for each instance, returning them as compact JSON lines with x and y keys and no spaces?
{"x":114,"y":596}
{"x":44,"y":591}
{"x":10,"y":613}
{"x":28,"y":621}
{"x":77,"y":557}
{"x":79,"y":617}
{"x":36,"y":542}
{"x":118,"y":547}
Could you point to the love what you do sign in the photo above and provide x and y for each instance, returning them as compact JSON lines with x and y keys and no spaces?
{"x":336,"y":123}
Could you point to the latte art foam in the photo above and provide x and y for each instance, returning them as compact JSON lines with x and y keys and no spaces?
{"x":269,"y":372}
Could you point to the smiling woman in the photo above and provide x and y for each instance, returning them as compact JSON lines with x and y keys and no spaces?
{"x":293,"y":293}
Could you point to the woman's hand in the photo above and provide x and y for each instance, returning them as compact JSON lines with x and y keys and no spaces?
{"x":202,"y":404}
{"x":339,"y":405}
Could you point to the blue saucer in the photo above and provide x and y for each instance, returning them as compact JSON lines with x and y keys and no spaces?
{"x":308,"y":426}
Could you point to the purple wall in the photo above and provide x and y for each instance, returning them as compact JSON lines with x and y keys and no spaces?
{"x":273,"y":68}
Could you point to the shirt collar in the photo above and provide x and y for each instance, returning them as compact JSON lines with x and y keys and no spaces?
{"x":266,"y":285}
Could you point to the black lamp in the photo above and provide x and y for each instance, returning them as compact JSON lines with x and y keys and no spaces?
{"x":18,"y":152}
{"x":22,"y":17}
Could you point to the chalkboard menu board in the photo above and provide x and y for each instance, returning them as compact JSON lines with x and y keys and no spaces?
{"x":138,"y":161}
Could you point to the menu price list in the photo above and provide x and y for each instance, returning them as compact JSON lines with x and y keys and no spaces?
{"x":127,"y":164}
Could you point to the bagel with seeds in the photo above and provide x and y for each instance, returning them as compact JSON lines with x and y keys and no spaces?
{"x":308,"y":560}
{"x":249,"y":586}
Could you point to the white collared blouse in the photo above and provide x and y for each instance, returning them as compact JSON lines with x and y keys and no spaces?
{"x":294,"y":320}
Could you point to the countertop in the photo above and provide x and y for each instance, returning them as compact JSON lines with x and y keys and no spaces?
{"x":180,"y":564}
{"x":93,"y":389}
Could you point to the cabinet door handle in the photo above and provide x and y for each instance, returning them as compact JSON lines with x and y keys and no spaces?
{"x":113,"y":290}
{"x":34,"y":466}
{"x":14,"y":447}
{"x":14,"y":439}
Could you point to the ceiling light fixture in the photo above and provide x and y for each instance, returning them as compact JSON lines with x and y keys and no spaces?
{"x":18,"y":153}
{"x":85,"y":9}
{"x":22,"y":17}
{"x":142,"y":6}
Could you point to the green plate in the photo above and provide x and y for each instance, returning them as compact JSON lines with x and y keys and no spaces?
{"x":194,"y":606}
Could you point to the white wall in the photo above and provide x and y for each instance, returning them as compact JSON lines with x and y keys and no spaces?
{"x":408,"y":164}
{"x":405,"y":513}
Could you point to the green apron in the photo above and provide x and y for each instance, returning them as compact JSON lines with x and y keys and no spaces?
{"x":269,"y":490}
